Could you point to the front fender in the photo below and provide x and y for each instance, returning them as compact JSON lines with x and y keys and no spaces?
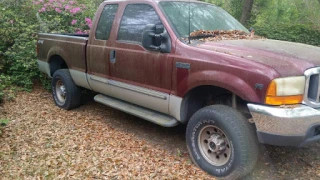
{"x":220,"y":79}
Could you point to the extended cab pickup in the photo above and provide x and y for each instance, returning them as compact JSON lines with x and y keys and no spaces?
{"x":231,"y":93}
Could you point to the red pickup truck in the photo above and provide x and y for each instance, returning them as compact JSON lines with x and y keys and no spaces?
{"x":231,"y":92}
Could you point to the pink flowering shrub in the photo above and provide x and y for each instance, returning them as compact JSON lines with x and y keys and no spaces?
{"x":20,"y":22}
{"x":88,"y":22}
{"x":63,"y":16}
{"x":73,"y":22}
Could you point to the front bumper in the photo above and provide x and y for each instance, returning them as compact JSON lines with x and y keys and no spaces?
{"x":297,"y":125}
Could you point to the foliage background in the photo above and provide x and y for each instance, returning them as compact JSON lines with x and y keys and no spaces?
{"x":289,"y":20}
{"x":21,"y":20}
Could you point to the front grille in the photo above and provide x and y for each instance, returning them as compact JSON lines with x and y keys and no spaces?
{"x":312,"y":91}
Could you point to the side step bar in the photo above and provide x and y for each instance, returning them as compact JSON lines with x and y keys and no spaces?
{"x":146,"y":114}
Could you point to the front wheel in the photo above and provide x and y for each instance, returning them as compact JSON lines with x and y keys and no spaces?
{"x":222,"y":142}
{"x":66,"y":94}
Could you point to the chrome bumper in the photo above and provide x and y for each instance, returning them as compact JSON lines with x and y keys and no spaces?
{"x":286,"y":126}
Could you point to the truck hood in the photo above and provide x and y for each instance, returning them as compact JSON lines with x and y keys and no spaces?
{"x":287,"y":58}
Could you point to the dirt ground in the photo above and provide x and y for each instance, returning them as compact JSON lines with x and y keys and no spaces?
{"x":97,"y":142}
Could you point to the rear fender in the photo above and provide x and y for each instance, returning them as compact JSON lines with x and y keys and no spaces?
{"x":60,"y":52}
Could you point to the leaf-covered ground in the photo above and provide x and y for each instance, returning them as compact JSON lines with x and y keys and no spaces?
{"x":98,"y":142}
{"x":93,"y":141}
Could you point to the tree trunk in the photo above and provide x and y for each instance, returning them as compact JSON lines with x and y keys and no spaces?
{"x":246,"y":11}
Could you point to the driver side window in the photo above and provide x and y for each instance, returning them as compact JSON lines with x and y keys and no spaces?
{"x":135,"y":18}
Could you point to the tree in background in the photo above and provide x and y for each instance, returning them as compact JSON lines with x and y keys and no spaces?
{"x":246,"y":11}
{"x":289,"y":20}
{"x":251,"y":12}
{"x":240,"y":9}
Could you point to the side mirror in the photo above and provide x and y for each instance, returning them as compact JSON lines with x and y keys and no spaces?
{"x":155,"y":38}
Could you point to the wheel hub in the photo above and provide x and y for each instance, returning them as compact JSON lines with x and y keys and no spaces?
{"x":212,"y":146}
{"x":216,"y":143}
{"x":61,"y":91}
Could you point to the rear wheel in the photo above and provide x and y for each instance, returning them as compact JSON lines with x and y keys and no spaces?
{"x":66,"y":94}
{"x":222,"y":142}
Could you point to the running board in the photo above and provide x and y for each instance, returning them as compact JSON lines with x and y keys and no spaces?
{"x":146,"y":114}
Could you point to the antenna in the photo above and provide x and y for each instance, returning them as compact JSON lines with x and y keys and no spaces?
{"x":189,"y":24}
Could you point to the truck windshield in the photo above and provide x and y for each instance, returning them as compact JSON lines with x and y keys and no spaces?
{"x":202,"y":17}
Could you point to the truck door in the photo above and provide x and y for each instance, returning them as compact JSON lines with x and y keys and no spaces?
{"x":98,"y":49}
{"x":139,"y":76}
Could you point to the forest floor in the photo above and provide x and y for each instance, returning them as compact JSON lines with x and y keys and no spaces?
{"x":98,"y":142}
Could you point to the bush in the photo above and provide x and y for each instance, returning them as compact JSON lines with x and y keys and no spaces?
{"x":20,"y":23}
{"x":62,"y":16}
{"x":3,"y":122}
{"x":287,"y":32}
{"x":2,"y":87}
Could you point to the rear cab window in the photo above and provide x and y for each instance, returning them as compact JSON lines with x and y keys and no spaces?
{"x":105,"y":22}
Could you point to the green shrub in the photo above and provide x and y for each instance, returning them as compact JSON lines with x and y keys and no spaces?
{"x":3,"y":122}
{"x":4,"y":83}
{"x":68,"y":16}
{"x":1,"y":92}
{"x":17,"y":50}
{"x":287,"y":32}
{"x":21,"y":21}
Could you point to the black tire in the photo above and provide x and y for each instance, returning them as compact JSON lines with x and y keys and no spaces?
{"x":66,"y":94}
{"x":222,"y":142}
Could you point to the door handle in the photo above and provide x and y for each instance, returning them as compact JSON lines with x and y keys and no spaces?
{"x":112,"y":56}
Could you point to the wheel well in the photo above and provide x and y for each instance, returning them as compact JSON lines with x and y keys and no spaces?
{"x":203,"y":96}
{"x":56,"y":62}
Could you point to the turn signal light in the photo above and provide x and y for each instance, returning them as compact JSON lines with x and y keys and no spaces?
{"x":284,"y":100}
{"x":273,"y":97}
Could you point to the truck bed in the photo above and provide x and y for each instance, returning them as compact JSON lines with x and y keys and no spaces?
{"x":70,"y":47}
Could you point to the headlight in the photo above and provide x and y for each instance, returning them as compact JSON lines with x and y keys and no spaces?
{"x":285,"y":91}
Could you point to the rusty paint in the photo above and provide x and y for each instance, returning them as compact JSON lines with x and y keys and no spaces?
{"x":182,"y":78}
{"x":71,"y":49}
{"x":289,"y":59}
{"x":236,"y":65}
